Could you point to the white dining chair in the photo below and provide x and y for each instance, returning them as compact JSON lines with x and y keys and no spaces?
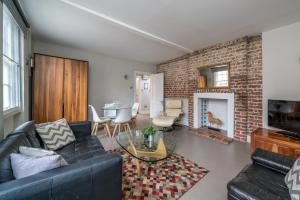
{"x":122,"y":120}
{"x":109,"y":113}
{"x":99,"y":120}
{"x":134,"y":112}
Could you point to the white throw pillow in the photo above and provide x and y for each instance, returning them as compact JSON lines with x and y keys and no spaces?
{"x":24,"y":166}
{"x":35,"y":152}
{"x":55,"y":134}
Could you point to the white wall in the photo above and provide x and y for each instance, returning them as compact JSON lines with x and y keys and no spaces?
{"x":281,"y":65}
{"x":106,"y":74}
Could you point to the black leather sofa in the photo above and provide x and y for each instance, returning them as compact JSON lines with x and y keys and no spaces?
{"x":263,"y":179}
{"x":91,"y":173}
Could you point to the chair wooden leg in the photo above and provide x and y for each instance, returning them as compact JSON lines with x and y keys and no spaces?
{"x":96,"y":130}
{"x":128,"y":126}
{"x":115,"y":129}
{"x":119,"y":128}
{"x":107,"y":129}
{"x":104,"y":129}
{"x":94,"y":126}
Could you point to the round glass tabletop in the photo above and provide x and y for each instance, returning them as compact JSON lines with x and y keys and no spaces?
{"x":150,"y":149}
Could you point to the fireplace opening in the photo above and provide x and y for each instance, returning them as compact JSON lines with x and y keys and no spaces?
{"x":219,"y":107}
{"x":213,"y":115}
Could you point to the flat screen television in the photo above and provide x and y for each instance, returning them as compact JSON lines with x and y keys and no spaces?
{"x":285,"y":115}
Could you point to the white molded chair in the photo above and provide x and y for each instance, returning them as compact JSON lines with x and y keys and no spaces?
{"x":99,"y":120}
{"x":122,"y":120}
{"x":134,"y":112}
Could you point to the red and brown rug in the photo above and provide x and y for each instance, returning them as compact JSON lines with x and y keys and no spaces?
{"x":167,"y":179}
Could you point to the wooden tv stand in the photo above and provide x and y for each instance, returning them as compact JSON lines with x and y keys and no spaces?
{"x":270,"y":140}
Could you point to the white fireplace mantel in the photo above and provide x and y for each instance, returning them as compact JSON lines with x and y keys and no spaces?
{"x":230,"y":109}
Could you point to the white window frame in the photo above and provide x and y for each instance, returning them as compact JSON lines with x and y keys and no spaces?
{"x":220,"y":78}
{"x":19,"y":105}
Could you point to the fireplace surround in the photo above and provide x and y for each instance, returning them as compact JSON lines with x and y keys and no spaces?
{"x":229,"y":97}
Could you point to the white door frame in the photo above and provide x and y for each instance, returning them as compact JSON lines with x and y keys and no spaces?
{"x":137,"y":73}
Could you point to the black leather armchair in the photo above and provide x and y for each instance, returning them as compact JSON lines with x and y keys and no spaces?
{"x":91,"y":173}
{"x":263,"y":179}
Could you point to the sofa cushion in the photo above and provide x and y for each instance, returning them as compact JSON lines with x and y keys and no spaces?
{"x":35,"y":152}
{"x":24,"y":165}
{"x":258,"y":182}
{"x":10,"y":145}
{"x":56,"y":134}
{"x":82,"y":149}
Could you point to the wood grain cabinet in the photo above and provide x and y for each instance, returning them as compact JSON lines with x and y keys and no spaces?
{"x":270,"y":140}
{"x":60,"y":89}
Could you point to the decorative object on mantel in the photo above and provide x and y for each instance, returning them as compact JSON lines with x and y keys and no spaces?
{"x":214,"y":135}
{"x":201,"y":80}
{"x":167,"y":179}
{"x":213,"y":120}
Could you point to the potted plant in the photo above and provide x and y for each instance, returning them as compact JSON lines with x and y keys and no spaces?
{"x":149,"y":133}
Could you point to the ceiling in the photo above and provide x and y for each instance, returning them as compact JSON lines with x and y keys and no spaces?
{"x":153,"y":31}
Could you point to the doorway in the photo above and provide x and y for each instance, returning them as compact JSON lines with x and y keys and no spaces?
{"x":142,"y":91}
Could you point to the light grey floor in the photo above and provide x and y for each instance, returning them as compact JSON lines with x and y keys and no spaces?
{"x":223,"y":161}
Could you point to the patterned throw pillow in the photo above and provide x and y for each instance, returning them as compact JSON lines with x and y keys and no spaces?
{"x":56,"y":134}
{"x":292,"y":180}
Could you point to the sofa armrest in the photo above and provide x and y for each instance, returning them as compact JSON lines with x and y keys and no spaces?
{"x":240,"y":188}
{"x":96,"y":178}
{"x":81,"y":129}
{"x":273,"y":161}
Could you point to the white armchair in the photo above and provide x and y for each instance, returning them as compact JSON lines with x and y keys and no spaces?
{"x":173,"y":113}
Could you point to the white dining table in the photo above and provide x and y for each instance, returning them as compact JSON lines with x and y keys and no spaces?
{"x":115,"y":108}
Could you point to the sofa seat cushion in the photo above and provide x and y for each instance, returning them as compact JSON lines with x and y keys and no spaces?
{"x":82,"y":149}
{"x":257,"y":182}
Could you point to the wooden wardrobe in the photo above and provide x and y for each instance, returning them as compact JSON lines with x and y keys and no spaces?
{"x":60,"y":89}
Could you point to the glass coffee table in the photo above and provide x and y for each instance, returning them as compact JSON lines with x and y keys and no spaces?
{"x":155,"y":149}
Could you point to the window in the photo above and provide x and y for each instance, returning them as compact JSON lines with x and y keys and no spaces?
{"x":12,"y":61}
{"x":220,"y":78}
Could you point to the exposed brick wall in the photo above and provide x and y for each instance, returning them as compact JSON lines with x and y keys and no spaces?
{"x":244,"y":56}
{"x":254,"y":84}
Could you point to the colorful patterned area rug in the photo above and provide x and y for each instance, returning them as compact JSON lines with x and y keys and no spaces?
{"x":167,"y":179}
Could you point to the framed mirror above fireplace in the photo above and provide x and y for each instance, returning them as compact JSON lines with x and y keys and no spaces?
{"x":214,"y":76}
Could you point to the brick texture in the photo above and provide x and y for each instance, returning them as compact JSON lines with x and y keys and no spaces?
{"x":245,"y":58}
